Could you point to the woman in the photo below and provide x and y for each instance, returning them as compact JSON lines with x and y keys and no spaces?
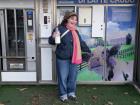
{"x":68,"y":56}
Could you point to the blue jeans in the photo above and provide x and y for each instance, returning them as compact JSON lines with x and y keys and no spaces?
{"x":67,"y":74}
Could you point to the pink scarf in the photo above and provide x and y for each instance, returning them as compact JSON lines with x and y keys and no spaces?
{"x":76,"y":57}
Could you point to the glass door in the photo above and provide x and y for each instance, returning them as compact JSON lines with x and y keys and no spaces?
{"x":15,"y":36}
{"x":12,"y":40}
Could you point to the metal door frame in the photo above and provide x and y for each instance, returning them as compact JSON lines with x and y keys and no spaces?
{"x":1,"y":42}
{"x":3,"y":39}
{"x":15,"y":57}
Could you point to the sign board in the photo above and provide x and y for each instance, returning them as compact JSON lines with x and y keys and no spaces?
{"x":16,"y":65}
{"x":62,"y":2}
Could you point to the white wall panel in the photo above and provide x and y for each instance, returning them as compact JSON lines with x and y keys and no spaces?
{"x":18,"y":76}
{"x":46,"y":63}
{"x":98,"y":25}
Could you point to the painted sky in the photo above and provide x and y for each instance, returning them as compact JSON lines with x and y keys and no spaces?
{"x":120,"y":28}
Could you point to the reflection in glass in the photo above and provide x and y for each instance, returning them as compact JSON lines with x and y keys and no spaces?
{"x":11,"y":33}
{"x":20,"y":32}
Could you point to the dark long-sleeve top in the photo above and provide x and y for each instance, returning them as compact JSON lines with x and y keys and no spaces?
{"x":64,"y":50}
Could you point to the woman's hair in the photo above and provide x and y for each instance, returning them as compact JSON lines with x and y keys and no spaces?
{"x":67,"y":16}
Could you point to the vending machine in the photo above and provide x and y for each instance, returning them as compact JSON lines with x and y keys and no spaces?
{"x":17,"y":41}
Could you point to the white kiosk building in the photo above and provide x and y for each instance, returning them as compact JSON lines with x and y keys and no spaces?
{"x":25,"y":25}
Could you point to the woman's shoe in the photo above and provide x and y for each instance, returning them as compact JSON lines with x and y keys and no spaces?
{"x":73,"y":98}
{"x":65,"y":100}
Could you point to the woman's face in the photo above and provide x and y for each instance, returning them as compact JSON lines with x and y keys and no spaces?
{"x":72,"y":20}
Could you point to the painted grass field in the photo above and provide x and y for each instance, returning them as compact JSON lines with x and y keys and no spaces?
{"x":125,"y":54}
